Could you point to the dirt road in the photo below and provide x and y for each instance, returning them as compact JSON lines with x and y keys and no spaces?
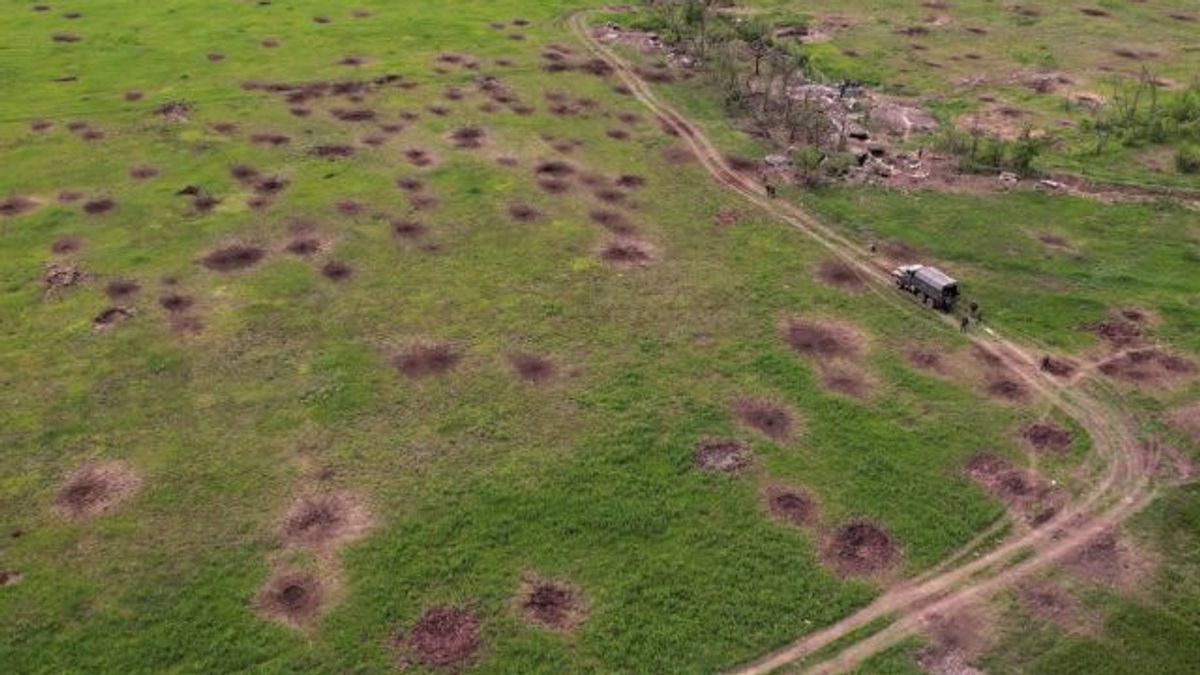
{"x":1124,"y":472}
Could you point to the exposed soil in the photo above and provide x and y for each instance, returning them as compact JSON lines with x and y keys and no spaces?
{"x":554,"y":186}
{"x":613,"y":222}
{"x":175,"y":303}
{"x":336,"y":271}
{"x":9,"y":578}
{"x":554,"y":168}
{"x":410,"y":184}
{"x":16,"y":205}
{"x":1150,"y":368}
{"x":792,"y":506}
{"x":840,"y":275}
{"x":1058,"y":367}
{"x":770,"y":419}
{"x":322,"y":521}
{"x":94,"y":489}
{"x":270,"y":185}
{"x":121,"y":289}
{"x":1023,"y":491}
{"x":1007,"y":389}
{"x":726,"y":218}
{"x":1107,"y":559}
{"x":99,"y":207}
{"x":349,"y":207}
{"x":1047,"y":437}
{"x":64,"y":245}
{"x":523,"y":213}
{"x":444,"y":637}
{"x":110,"y":318}
{"x":203,"y":203}
{"x":861,"y":548}
{"x":721,"y":456}
{"x":423,"y":202}
{"x":1050,"y":602}
{"x":928,"y":359}
{"x":956,"y":639}
{"x":232,"y":258}
{"x":676,"y":154}
{"x":143,"y":172}
{"x":822,"y":340}
{"x":57,"y":277}
{"x":427,"y":360}
{"x":627,"y":251}
{"x":468,"y":138}
{"x":552,"y":605}
{"x":293,"y":598}
{"x":847,"y":382}
{"x":532,"y":368}
{"x":418,"y":157}
{"x":1117,"y":332}
{"x":332,"y":151}
{"x":408,"y":229}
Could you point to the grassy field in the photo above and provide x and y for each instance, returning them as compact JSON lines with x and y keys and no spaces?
{"x":277,"y":381}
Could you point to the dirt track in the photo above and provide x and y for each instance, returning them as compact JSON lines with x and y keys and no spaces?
{"x":1124,"y":481}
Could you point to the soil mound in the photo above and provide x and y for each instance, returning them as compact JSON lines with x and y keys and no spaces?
{"x":231,"y":258}
{"x":627,"y":252}
{"x":1151,"y":368}
{"x":822,"y":340}
{"x":795,"y":507}
{"x":97,"y":207}
{"x":552,"y":605}
{"x":143,"y":172}
{"x":468,"y":138}
{"x":861,"y":548}
{"x":332,"y":151}
{"x":721,"y":456}
{"x":408,"y":229}
{"x":444,"y":637}
{"x":110,"y":318}
{"x":175,"y":303}
{"x":324,"y":520}
{"x":532,"y":368}
{"x":423,"y":361}
{"x":613,"y":222}
{"x":94,"y":489}
{"x":336,"y":271}
{"x":59,"y":277}
{"x":523,"y":213}
{"x":64,"y":245}
{"x":1056,"y":366}
{"x":294,"y":599}
{"x":1007,"y":389}
{"x":847,"y":382}
{"x":121,"y":289}
{"x":15,"y":206}
{"x":770,"y":419}
{"x":1047,"y":436}
{"x":1117,"y":332}
{"x":840,"y":275}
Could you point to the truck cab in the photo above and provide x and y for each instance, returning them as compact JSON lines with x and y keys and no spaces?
{"x":932,"y":285}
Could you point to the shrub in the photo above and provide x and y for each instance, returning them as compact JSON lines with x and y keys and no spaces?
{"x":1187,"y":159}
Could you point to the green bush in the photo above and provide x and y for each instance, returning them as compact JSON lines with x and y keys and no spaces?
{"x":1187,"y":159}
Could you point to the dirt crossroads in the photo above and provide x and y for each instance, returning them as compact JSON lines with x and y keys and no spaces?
{"x":1124,"y":485}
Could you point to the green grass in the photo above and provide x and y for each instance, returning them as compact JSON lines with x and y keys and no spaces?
{"x":473,"y":479}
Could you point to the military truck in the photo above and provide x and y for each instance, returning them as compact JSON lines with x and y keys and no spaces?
{"x":932,"y":285}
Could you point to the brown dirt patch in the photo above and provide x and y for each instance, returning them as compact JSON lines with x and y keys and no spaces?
{"x":1007,"y":389}
{"x":554,"y":186}
{"x":232,"y":258}
{"x":1047,"y":437}
{"x":175,"y":303}
{"x":532,"y":368}
{"x":822,"y":340}
{"x":468,"y":138}
{"x":861,"y":548}
{"x":57,"y":277}
{"x":1118,"y":332}
{"x":94,"y":489}
{"x":630,"y":181}
{"x":792,"y":506}
{"x":957,"y":638}
{"x":349,"y":207}
{"x":336,"y":271}
{"x":553,"y":605}
{"x":408,"y":229}
{"x":628,"y":251}
{"x":293,"y":598}
{"x":110,"y":318}
{"x":144,"y":172}
{"x":847,"y":382}
{"x":273,"y":140}
{"x":1108,"y":559}
{"x":523,"y":213}
{"x":677,"y":154}
{"x":304,"y":246}
{"x":1023,"y":491}
{"x":610,"y":196}
{"x":444,"y":637}
{"x":613,"y":222}
{"x":270,"y":185}
{"x":928,"y":359}
{"x":99,"y":207}
{"x":840,"y":275}
{"x":1150,"y":368}
{"x":16,"y":205}
{"x":410,"y":184}
{"x":1058,"y":367}
{"x":121,"y":289}
{"x":555,"y":168}
{"x":721,"y":456}
{"x":65,"y":37}
{"x":322,"y":521}
{"x":64,"y":245}
{"x":726,"y":218}
{"x":9,"y":578}
{"x":418,"y":158}
{"x":332,"y":151}
{"x":421,"y":202}
{"x":427,"y":360}
{"x":766,"y":417}
{"x":1050,"y":602}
